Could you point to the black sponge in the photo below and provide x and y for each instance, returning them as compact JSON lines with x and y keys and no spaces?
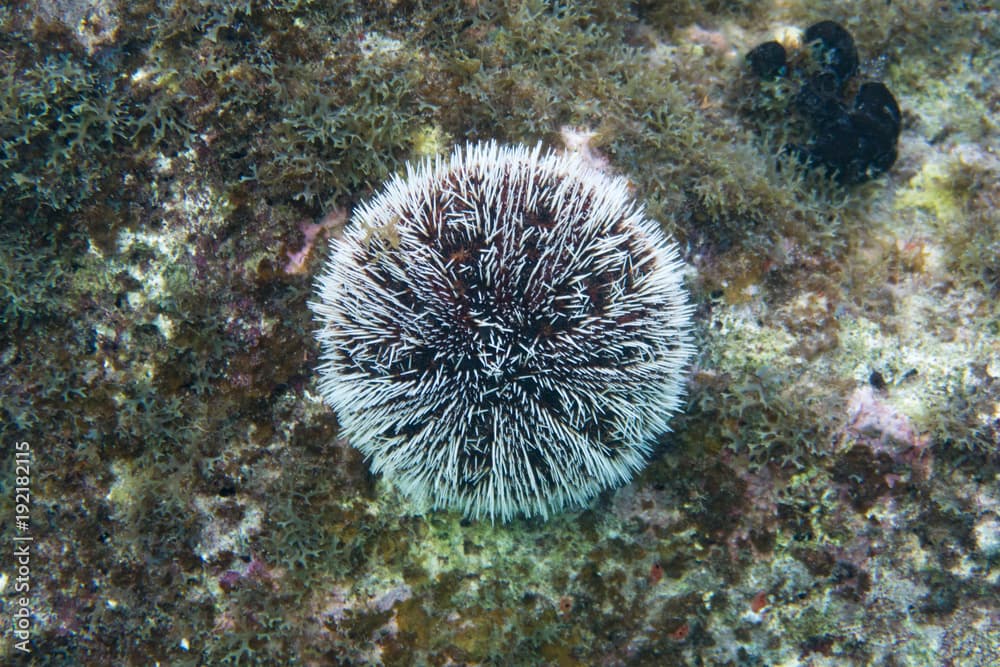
{"x":854,"y":141}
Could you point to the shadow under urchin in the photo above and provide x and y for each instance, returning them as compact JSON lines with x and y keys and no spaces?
{"x":503,"y":332}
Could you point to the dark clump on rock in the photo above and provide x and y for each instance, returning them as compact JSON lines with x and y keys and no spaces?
{"x":768,"y":60}
{"x":835,"y":48}
{"x":855,"y":141}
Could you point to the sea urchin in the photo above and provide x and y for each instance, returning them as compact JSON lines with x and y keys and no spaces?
{"x":503,"y":332}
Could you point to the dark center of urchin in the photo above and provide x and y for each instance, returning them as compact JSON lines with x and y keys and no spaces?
{"x":516,"y":311}
{"x":505,"y":334}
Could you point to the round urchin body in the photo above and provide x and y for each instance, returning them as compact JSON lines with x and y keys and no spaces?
{"x":503,"y":332}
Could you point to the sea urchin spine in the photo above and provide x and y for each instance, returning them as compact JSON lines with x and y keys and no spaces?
{"x":503,"y":332}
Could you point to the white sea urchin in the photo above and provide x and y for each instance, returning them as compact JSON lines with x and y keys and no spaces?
{"x":503,"y":332}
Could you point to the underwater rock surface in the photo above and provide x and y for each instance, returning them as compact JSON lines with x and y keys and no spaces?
{"x":172,"y":171}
